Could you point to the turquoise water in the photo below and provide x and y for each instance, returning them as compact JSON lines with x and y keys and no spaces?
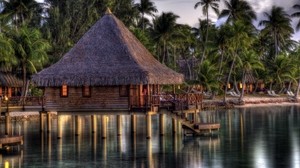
{"x":261,"y":137}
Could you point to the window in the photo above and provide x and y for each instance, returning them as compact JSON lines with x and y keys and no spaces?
{"x":64,"y":90}
{"x":123,"y":91}
{"x":86,"y":91}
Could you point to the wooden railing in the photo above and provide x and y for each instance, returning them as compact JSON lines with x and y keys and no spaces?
{"x":22,"y":101}
{"x":182,"y":101}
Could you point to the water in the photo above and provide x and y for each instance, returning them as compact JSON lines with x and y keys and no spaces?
{"x":260,"y":137}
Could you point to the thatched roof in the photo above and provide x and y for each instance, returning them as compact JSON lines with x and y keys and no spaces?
{"x":9,"y":80}
{"x":249,"y":78}
{"x":108,"y":54}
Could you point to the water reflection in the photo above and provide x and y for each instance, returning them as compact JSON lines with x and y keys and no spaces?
{"x":249,"y":137}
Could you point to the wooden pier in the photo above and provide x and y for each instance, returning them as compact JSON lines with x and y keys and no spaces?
{"x":10,"y":141}
{"x":195,"y":129}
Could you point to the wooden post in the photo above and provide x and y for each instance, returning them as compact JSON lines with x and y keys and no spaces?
{"x":148,"y":126}
{"x":119,"y":125}
{"x":94,"y":123}
{"x":7,"y":124}
{"x":48,"y":121}
{"x":174,"y":127}
{"x":161,"y":124}
{"x":42,"y":121}
{"x":77,"y":125}
{"x":141,"y":96}
{"x":195,"y":116}
{"x":103,"y":126}
{"x":59,"y":126}
{"x":133,"y":124}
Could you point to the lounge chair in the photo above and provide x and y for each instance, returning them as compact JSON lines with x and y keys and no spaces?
{"x":273,"y":93}
{"x":290,"y":93}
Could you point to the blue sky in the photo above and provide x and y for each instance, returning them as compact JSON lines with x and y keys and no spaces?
{"x":189,"y":15}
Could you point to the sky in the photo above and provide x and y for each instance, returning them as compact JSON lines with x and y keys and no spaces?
{"x":188,"y":15}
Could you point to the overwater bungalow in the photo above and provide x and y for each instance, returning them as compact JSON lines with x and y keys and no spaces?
{"x":108,"y":69}
{"x":10,"y":85}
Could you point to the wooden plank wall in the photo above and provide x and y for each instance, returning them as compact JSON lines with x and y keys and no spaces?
{"x":101,"y":98}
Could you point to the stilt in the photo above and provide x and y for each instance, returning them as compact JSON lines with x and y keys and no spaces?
{"x":174,"y":126}
{"x":49,"y":145}
{"x":77,"y":125}
{"x":195,"y":117}
{"x":59,"y":126}
{"x":48,"y":121}
{"x":161,"y":124}
{"x":133,"y":124}
{"x":104,"y":126}
{"x":42,"y":121}
{"x":149,"y":125}
{"x":7,"y":124}
{"x":104,"y":150}
{"x":119,"y":125}
{"x":94,"y":123}
{"x":149,"y":154}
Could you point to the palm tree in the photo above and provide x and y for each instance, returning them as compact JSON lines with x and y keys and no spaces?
{"x":238,"y":10}
{"x":146,"y":7}
{"x":249,"y":62}
{"x":278,"y":26}
{"x":206,"y":4}
{"x":281,"y":70}
{"x":30,"y":50}
{"x":163,"y":29}
{"x":297,"y":15}
{"x":7,"y":58}
{"x":21,"y":11}
{"x":208,"y":77}
{"x":239,"y":43}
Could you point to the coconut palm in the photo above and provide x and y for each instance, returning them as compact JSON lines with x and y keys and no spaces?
{"x":208,"y":77}
{"x":277,"y":25}
{"x":146,"y":7}
{"x":21,"y":11}
{"x":206,"y":4}
{"x":238,"y":10}
{"x":297,"y":15}
{"x":238,"y":43}
{"x":280,"y":70}
{"x":30,"y":50}
{"x":163,"y":29}
{"x":7,"y":57}
{"x":248,"y":63}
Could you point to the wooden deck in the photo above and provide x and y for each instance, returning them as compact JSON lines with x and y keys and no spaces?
{"x":10,"y":141}
{"x":196,"y":129}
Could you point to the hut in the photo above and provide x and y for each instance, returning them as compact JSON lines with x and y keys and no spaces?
{"x":10,"y":85}
{"x":107,"y":69}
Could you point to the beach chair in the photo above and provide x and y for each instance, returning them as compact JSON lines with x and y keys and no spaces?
{"x":269,"y":93}
{"x":290,"y":93}
{"x":273,"y":93}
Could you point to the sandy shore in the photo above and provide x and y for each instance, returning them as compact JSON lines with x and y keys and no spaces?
{"x":254,"y":100}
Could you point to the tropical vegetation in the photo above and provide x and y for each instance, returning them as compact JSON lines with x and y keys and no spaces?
{"x":35,"y":35}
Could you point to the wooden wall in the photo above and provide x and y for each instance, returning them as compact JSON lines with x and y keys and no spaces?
{"x":101,"y":98}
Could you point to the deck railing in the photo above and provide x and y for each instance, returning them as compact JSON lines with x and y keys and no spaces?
{"x":22,"y":101}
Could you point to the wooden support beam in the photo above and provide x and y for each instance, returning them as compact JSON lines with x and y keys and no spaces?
{"x":148,"y":126}
{"x":104,"y":126}
{"x":49,"y":122}
{"x":119,"y":125}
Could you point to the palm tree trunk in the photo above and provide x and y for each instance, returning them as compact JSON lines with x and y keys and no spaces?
{"x":243,"y":84}
{"x":206,"y":37}
{"x":24,"y":79}
{"x":297,"y":91}
{"x":164,"y":52}
{"x":228,"y":78}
